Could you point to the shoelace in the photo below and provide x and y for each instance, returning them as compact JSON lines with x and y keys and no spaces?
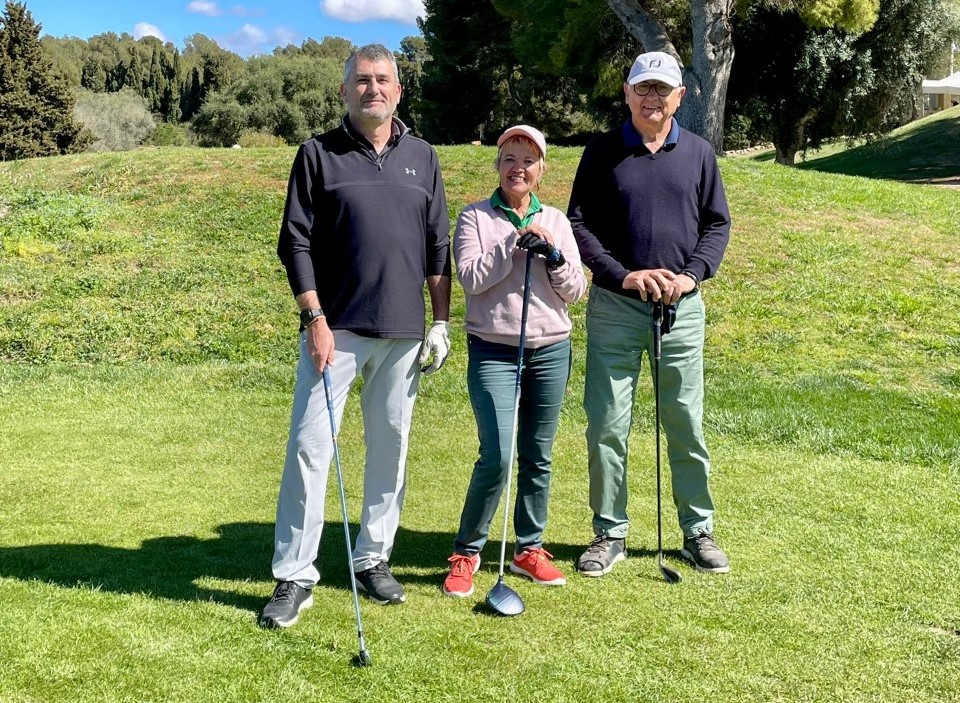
{"x":705,"y":539}
{"x":537,"y":554}
{"x":286,"y":591}
{"x":379,"y":572}
{"x":462,"y":565}
{"x":599,"y":545}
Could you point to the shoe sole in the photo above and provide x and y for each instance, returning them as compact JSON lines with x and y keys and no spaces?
{"x":706,"y":569}
{"x":603,"y":572}
{"x":523,"y":572}
{"x":461,"y":594}
{"x":274,"y":624}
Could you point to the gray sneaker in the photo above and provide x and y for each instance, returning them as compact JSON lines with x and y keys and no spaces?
{"x":285,"y":605}
{"x":702,"y":551}
{"x":379,"y":585}
{"x":601,"y":555}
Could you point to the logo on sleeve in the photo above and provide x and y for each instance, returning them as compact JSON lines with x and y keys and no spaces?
{"x":411,"y":171}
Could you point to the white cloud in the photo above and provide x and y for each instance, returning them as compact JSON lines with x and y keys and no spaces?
{"x":202,"y":7}
{"x":241,"y":11}
{"x":405,"y":11}
{"x":251,"y":39}
{"x":145,"y":29}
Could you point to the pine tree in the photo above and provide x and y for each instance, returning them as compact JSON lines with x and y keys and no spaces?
{"x":36,"y":105}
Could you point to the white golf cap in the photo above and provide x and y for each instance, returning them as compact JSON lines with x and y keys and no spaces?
{"x":531,"y":133}
{"x":656,"y":66}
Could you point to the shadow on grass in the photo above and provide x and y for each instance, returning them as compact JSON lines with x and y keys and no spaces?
{"x":162,"y":567}
{"x":170,"y":567}
{"x":928,"y":153}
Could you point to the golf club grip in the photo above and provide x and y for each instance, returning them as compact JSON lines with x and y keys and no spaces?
{"x":327,"y":389}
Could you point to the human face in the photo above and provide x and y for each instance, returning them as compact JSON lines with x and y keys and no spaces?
{"x":651,"y":112}
{"x":372,"y":92}
{"x":520,"y":168}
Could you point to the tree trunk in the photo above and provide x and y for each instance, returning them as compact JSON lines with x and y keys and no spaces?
{"x":786,"y":154}
{"x":712,"y":59}
{"x":707,"y":77}
{"x":791,"y":139}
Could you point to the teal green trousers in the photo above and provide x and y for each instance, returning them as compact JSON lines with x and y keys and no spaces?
{"x":619,"y":332}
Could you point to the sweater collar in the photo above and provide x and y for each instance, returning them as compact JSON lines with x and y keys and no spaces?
{"x":633,"y":139}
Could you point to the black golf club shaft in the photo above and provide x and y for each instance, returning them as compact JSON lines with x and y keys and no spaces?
{"x":670,"y":575}
{"x":363,"y":657}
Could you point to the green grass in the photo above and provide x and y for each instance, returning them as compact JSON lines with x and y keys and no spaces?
{"x":147,"y":345}
{"x":926,"y":150}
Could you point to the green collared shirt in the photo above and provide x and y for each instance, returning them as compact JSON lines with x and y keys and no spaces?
{"x":514,"y":218}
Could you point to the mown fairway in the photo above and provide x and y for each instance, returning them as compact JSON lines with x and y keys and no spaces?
{"x":147,"y":347}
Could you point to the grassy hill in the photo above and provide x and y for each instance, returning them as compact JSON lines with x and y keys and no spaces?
{"x":926,"y":150}
{"x":147,"y":345}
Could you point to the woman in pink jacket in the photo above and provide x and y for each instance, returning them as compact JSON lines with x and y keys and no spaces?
{"x":490,"y":247}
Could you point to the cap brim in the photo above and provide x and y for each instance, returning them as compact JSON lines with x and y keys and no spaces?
{"x":654,"y":76}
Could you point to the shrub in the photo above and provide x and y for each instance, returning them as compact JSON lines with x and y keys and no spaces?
{"x":220,"y":121}
{"x":167,"y":134}
{"x":253,"y":138}
{"x":119,"y":121}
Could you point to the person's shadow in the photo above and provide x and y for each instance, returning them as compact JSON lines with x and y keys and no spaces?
{"x":175,"y":567}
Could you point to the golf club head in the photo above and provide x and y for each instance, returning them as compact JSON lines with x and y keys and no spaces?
{"x":362,"y":659}
{"x":503,"y":600}
{"x":669,"y":575}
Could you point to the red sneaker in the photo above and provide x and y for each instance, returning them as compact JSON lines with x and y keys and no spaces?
{"x":459,"y":581}
{"x":535,"y":565}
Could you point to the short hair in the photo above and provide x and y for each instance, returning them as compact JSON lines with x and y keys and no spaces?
{"x":520,"y":139}
{"x":370,"y":52}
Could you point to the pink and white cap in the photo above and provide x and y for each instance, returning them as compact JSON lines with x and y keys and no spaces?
{"x":531,"y":133}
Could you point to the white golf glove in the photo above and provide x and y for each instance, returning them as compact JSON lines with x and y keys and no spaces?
{"x":436,"y":345}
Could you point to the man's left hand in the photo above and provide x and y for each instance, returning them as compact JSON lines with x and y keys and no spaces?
{"x":436,"y":345}
{"x":680,"y":285}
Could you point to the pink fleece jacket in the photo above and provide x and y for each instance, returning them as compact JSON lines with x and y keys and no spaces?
{"x":490,"y":268}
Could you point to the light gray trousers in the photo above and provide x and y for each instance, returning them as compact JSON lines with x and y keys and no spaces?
{"x":391,"y":376}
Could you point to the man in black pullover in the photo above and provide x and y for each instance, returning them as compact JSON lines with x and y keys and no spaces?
{"x":651,"y":221}
{"x":365,"y":225}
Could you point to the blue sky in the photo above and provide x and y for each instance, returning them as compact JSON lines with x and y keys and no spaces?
{"x":244,"y":26}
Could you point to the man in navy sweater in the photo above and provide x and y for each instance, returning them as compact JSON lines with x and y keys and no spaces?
{"x":365,"y":225}
{"x":651,"y":221}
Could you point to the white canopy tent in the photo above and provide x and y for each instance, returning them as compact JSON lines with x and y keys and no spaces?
{"x":945,"y":92}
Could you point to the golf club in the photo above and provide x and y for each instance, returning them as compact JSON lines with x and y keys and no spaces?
{"x":669,"y":575}
{"x":502,"y":599}
{"x":363,"y":657}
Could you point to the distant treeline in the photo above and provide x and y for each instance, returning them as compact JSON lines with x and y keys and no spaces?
{"x":474,"y":69}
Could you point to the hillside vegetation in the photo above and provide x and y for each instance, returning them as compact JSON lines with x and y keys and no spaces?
{"x":926,"y":150}
{"x":147,"y":348}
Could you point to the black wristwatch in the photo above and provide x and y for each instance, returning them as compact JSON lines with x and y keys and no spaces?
{"x":696,"y":281}
{"x":308,"y":316}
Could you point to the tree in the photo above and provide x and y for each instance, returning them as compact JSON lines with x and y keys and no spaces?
{"x":207,"y":68}
{"x":36,"y":105}
{"x":472,"y":58}
{"x":697,"y":32}
{"x":411,"y":58}
{"x":291,"y":95}
{"x":815,"y":84}
{"x":119,"y":121}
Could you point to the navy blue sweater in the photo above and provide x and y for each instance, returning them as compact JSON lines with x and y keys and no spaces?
{"x":634,"y":210}
{"x":365,"y":230}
